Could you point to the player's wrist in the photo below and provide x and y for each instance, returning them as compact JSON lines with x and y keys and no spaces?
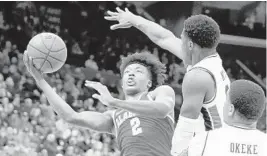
{"x":135,"y":20}
{"x":38,"y":78}
{"x":40,"y":82}
{"x":114,"y":102}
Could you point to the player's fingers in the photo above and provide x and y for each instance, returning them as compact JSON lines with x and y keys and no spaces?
{"x":119,"y":26}
{"x":94,"y":85}
{"x":87,"y":84}
{"x":31,"y":64}
{"x":99,"y":97}
{"x":127,"y":10}
{"x":25,"y":58}
{"x":111,"y":18}
{"x":94,"y":82}
{"x":91,"y":82}
{"x":96,"y":96}
{"x":26,"y":61}
{"x":116,"y":26}
{"x":112,"y":13}
{"x":119,"y":10}
{"x":97,"y":86}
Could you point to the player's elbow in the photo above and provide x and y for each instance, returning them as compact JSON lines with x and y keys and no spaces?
{"x":163,"y":113}
{"x":72,"y":118}
{"x":167,"y":34}
{"x":69,"y":119}
{"x":161,"y":39}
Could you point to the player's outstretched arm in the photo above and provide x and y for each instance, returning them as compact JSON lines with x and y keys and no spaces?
{"x":162,"y":104}
{"x":102,"y":122}
{"x":156,"y":33}
{"x":195,"y":87}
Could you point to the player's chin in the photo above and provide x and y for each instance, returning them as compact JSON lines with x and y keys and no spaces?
{"x":131,"y":90}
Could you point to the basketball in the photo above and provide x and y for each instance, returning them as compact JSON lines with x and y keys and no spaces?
{"x":48,"y":52}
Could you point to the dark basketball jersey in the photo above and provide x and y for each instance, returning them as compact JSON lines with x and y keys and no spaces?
{"x":143,"y":136}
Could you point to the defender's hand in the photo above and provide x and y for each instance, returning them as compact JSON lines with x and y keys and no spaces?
{"x":104,"y":95}
{"x":123,"y":17}
{"x":28,"y":61}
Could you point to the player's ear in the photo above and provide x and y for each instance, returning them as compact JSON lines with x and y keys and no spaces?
{"x":149,"y":84}
{"x":231,"y":110}
{"x":190,"y":45}
{"x":121,"y":84}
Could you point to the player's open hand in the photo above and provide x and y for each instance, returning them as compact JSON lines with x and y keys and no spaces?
{"x":123,"y":17}
{"x":28,"y":61}
{"x":104,"y":95}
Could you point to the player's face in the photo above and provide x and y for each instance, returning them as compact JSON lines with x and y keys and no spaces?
{"x":136,"y":79}
{"x":187,"y":47}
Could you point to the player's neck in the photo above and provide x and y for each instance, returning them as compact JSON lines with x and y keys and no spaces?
{"x":243,"y":125}
{"x":136,"y":96}
{"x":202,"y":54}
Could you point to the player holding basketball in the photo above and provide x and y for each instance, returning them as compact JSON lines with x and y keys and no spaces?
{"x":143,"y":123}
{"x":205,"y":83}
{"x":244,"y":106}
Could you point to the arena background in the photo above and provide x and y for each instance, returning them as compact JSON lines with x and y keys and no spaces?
{"x":28,"y":126}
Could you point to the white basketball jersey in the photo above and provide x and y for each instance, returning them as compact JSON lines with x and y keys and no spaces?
{"x":211,"y":116}
{"x":229,"y":141}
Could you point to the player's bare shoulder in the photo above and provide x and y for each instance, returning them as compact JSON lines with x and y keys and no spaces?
{"x":162,"y":90}
{"x":165,"y":95}
{"x":198,"y":79}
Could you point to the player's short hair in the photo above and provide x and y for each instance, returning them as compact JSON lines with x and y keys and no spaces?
{"x":202,"y":30}
{"x":156,"y":68}
{"x":248,"y":99}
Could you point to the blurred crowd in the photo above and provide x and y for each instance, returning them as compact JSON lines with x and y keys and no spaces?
{"x":29,"y":126}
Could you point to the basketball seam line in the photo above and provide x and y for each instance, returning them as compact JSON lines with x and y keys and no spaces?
{"x":52,"y":45}
{"x":56,"y":51}
{"x":50,"y":64}
{"x":45,"y":44}
{"x":43,"y":59}
{"x":46,"y":53}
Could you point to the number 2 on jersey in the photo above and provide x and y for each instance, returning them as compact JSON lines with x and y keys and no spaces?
{"x":135,"y":123}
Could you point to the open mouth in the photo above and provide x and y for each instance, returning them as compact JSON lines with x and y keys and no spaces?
{"x":130,"y":82}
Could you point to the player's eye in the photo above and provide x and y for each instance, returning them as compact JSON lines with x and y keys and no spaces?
{"x":139,"y":71}
{"x":127,"y":71}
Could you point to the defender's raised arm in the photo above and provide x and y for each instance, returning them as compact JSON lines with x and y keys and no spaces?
{"x":156,"y":33}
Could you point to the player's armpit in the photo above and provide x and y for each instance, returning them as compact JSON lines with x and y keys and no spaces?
{"x":101,"y":122}
{"x":195,"y":86}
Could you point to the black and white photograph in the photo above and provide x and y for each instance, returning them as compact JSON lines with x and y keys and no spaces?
{"x":133,"y":78}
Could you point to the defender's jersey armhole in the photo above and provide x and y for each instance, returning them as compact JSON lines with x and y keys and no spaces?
{"x":214,"y":80}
